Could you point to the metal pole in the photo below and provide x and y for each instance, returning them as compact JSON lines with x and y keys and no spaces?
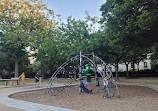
{"x":80,"y":73}
{"x":107,"y":67}
{"x":96,"y":78}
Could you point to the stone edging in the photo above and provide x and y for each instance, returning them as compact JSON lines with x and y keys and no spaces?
{"x":28,"y":106}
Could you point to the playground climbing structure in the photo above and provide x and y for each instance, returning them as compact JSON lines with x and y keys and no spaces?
{"x":93,"y":61}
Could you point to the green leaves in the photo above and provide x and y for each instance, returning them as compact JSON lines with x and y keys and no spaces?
{"x":131,"y":26}
{"x":131,"y":22}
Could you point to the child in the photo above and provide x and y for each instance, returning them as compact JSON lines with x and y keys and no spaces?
{"x":22,"y":76}
{"x":86,"y":85}
{"x":37,"y":80}
{"x":105,"y":81}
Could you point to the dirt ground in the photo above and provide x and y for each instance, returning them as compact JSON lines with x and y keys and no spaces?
{"x":133,"y":98}
{"x":143,"y":80}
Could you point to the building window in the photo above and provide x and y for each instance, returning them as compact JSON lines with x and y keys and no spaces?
{"x":145,"y":65}
{"x":132,"y":65}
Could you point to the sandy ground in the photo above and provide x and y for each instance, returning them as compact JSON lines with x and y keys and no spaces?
{"x":133,"y":98}
{"x":144,"y":80}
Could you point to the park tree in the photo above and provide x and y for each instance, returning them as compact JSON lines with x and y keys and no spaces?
{"x":69,"y":39}
{"x":131,"y":21}
{"x":154,"y":57}
{"x":127,"y":60}
{"x":134,"y":56}
{"x":3,"y":58}
{"x":113,"y":47}
{"x":6,"y":61}
{"x":125,"y":26}
{"x":22,"y":24}
{"x":116,"y":53}
{"x":76,"y":35}
{"x":7,"y":58}
{"x":3,"y":61}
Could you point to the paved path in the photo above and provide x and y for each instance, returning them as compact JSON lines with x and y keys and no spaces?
{"x":9,"y":104}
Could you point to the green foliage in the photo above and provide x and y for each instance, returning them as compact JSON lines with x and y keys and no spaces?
{"x":68,"y":40}
{"x":24,"y":23}
{"x":32,"y":69}
{"x":130,"y":27}
{"x":128,"y":33}
{"x":154,"y":56}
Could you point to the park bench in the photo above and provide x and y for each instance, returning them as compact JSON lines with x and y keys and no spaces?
{"x":12,"y":79}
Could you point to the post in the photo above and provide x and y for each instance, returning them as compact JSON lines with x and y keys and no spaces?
{"x":12,"y":82}
{"x":6,"y":82}
{"x":96,"y":77}
{"x":80,"y":74}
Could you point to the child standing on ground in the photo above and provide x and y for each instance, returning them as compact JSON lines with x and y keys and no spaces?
{"x":37,"y":80}
{"x":22,"y":76}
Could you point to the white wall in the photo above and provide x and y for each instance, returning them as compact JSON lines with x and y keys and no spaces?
{"x":122,"y":67}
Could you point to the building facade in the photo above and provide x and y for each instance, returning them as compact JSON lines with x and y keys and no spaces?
{"x":145,"y":64}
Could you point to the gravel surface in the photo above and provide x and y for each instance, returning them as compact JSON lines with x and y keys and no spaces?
{"x":133,"y":98}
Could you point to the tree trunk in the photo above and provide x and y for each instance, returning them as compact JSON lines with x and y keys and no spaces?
{"x":138,"y":66}
{"x":16,"y":66}
{"x":75,"y":74}
{"x":127,"y":73}
{"x":116,"y":70}
{"x":133,"y":66}
{"x":42,"y":70}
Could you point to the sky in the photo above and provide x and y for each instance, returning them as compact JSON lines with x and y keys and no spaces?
{"x":75,"y":8}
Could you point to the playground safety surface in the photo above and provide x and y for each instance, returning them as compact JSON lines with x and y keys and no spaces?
{"x":133,"y":98}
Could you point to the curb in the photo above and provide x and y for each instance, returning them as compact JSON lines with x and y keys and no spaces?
{"x":28,"y":106}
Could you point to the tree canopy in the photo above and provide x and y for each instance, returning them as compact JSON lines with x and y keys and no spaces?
{"x":128,"y":33}
{"x":23,"y":23}
{"x":130,"y":24}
